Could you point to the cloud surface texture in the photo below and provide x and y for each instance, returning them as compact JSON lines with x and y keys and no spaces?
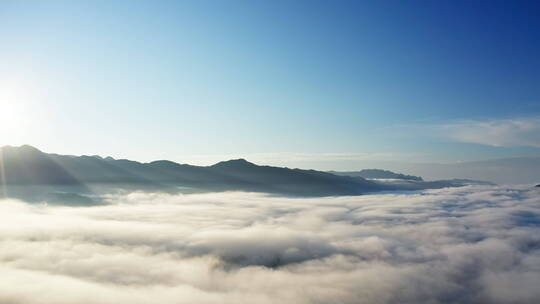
{"x":476,"y":244}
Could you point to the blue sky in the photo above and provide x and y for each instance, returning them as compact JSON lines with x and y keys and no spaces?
{"x":197,"y":81}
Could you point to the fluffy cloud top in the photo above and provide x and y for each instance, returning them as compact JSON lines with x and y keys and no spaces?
{"x":461,"y":245}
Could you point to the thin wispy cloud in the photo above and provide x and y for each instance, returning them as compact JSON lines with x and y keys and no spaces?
{"x":463,"y":245}
{"x":507,"y":132}
{"x":520,"y":132}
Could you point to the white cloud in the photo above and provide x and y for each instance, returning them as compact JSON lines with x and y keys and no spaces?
{"x":460,"y":245}
{"x":523,"y":132}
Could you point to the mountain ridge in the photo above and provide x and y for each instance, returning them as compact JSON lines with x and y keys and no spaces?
{"x":377,"y":174}
{"x":28,"y":166}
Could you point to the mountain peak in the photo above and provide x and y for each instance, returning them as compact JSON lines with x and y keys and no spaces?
{"x":234,"y":163}
{"x":23,"y":148}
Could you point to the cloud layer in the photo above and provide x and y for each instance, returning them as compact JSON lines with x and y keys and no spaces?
{"x":464,"y":245}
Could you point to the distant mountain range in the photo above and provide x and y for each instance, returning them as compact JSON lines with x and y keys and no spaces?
{"x":24,"y":168}
{"x":377,"y":174}
{"x":514,"y":170}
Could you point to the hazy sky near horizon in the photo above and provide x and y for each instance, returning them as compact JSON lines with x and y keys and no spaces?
{"x":392,"y":80}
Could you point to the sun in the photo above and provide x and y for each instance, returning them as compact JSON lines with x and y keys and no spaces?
{"x":11,"y":114}
{"x":14,"y":118}
{"x":19,"y":116}
{"x":12,"y":108}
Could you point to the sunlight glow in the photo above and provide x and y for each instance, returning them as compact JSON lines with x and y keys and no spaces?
{"x":14,"y":112}
{"x":11,"y":108}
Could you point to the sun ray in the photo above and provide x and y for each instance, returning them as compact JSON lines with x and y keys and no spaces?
{"x":2,"y":175}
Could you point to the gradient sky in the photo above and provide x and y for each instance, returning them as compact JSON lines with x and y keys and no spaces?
{"x":199,"y":81}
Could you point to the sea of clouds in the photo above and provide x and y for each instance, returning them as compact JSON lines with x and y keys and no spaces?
{"x":475,"y":244}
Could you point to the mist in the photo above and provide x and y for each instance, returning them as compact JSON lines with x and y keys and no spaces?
{"x":474,"y":244}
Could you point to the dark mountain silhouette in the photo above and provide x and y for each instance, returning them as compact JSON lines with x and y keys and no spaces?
{"x":27,"y":165}
{"x":25,"y":169}
{"x":377,"y":174}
